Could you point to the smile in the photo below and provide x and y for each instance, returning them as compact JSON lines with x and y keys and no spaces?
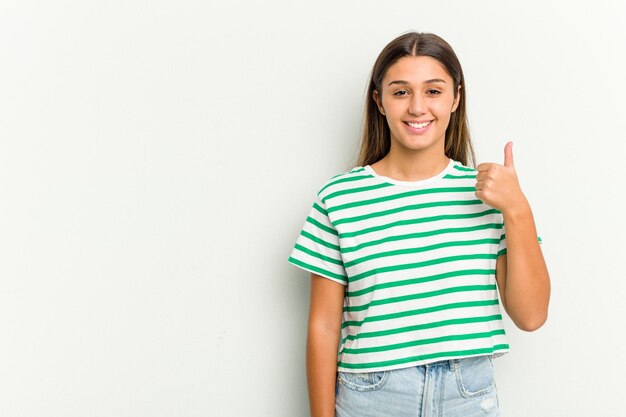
{"x":419,"y":125}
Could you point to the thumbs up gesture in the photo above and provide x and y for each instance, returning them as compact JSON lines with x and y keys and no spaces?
{"x":497,"y":185}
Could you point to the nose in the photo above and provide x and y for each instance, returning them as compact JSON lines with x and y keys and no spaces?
{"x":417,"y":105}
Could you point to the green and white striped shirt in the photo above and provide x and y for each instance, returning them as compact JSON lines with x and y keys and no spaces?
{"x":418,"y":259}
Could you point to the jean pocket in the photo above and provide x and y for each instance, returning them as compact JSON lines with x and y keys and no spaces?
{"x":362,"y":381}
{"x":474,"y":375}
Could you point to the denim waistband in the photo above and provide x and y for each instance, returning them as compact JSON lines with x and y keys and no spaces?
{"x":446,"y":363}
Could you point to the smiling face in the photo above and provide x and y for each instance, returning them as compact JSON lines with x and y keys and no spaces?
{"x":417,"y":99}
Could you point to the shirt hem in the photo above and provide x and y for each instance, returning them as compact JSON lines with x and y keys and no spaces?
{"x":494,"y":354}
{"x":321,"y":274}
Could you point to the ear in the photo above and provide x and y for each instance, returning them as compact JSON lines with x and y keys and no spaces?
{"x":378,"y":101}
{"x":457,"y":100}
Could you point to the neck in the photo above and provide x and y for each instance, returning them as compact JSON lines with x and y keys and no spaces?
{"x":411,"y":166}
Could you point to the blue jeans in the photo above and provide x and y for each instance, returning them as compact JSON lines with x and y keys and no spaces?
{"x":450,"y":388}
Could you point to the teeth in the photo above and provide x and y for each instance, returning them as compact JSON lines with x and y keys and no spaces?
{"x":418,"y":125}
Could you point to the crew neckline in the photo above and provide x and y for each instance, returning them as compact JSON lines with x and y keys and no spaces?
{"x":417,"y":183}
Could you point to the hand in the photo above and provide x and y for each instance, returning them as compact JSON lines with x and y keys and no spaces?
{"x":497,"y":185}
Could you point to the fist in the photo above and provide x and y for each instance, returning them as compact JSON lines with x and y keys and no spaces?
{"x":497,"y":185}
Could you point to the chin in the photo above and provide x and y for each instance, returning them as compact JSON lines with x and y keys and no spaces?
{"x":416,"y":146}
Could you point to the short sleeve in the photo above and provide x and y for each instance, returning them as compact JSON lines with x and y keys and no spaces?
{"x":317,"y":247}
{"x":502,"y":247}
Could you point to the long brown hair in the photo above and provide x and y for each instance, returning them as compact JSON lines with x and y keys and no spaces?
{"x":376,"y":139}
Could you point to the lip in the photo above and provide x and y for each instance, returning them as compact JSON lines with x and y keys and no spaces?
{"x":418,"y":131}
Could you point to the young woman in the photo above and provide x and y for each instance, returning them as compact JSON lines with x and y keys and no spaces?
{"x":408,"y":255}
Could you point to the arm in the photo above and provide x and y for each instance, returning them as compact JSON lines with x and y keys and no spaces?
{"x":521,"y":274}
{"x":324,"y":328}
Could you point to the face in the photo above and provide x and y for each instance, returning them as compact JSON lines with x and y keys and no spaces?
{"x":417,"y":98}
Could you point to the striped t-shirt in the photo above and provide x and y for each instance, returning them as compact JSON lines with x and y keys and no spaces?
{"x":418,"y":259}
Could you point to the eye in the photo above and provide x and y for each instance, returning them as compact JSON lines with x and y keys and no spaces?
{"x":401,"y":93}
{"x":433,"y":92}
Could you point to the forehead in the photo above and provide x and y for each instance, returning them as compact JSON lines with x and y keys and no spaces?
{"x":415,"y":70}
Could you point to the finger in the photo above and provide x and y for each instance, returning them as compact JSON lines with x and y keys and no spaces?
{"x":483,"y":167}
{"x":481,"y":176}
{"x":508,"y":155}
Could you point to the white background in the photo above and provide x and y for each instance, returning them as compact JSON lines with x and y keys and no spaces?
{"x":158,"y":158}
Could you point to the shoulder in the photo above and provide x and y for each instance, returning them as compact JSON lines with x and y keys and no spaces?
{"x":458,"y":170}
{"x":343,"y":181}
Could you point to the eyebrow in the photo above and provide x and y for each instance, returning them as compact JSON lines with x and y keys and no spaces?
{"x":403,"y":82}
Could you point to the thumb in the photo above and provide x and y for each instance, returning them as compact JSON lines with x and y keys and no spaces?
{"x":508,"y":155}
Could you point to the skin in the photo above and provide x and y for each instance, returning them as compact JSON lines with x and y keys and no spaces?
{"x":409,"y":95}
{"x":322,"y":342}
{"x":522,"y":275}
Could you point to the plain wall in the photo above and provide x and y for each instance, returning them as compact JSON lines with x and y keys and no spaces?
{"x":158,"y":158}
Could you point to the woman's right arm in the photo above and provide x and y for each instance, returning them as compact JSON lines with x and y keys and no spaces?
{"x":324,"y":329}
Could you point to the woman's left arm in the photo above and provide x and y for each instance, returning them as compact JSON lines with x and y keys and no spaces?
{"x":521,"y":273}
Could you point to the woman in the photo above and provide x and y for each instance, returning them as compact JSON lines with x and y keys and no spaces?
{"x":407,"y":253}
